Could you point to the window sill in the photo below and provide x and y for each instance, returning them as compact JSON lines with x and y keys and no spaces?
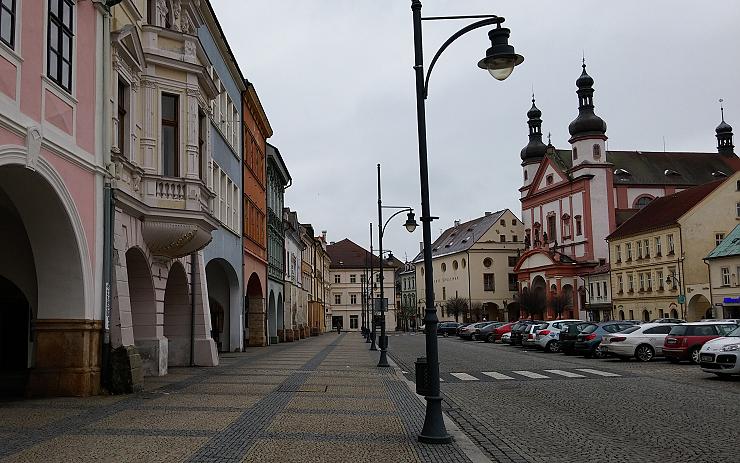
{"x":10,"y":54}
{"x":57,"y":90}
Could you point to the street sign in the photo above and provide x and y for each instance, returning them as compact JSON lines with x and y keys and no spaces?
{"x":681,"y":298}
{"x":378,"y":307}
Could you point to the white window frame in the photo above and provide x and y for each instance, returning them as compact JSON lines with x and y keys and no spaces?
{"x":725,"y":272}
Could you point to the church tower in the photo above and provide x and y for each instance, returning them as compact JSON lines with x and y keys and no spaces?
{"x":587,"y":131}
{"x":534,"y":152}
{"x":724,"y":136}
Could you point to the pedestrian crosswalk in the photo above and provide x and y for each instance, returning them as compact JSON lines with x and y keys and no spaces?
{"x":523,"y":375}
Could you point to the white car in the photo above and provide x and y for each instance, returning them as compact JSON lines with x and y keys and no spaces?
{"x":644,"y":342}
{"x":547,"y":335}
{"x":505,"y":337}
{"x":721,"y":356}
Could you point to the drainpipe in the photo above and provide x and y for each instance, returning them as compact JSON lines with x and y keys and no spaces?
{"x":682,"y":276}
{"x":711,"y":296}
{"x":470,"y":300}
{"x":193,"y":263}
{"x":108,"y":205}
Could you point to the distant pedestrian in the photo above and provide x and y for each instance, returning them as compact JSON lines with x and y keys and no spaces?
{"x":339,"y":328}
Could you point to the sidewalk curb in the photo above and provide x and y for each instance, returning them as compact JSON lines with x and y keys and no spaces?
{"x":461,"y":439}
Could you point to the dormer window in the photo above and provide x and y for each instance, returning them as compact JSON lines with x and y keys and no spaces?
{"x":621,"y":172}
{"x":670,"y":172}
{"x":719,"y":174}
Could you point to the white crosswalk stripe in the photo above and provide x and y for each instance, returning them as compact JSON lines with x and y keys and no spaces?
{"x":530,"y":374}
{"x":567,"y":374}
{"x":464,"y":377}
{"x":496,"y":375}
{"x":597,"y":372}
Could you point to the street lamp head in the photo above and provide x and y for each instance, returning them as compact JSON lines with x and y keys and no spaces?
{"x":410,"y":222}
{"x":500,"y":58}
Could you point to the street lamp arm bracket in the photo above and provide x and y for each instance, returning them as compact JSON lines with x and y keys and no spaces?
{"x":471,"y":27}
{"x":406,"y":209}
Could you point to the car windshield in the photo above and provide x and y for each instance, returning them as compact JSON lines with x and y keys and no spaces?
{"x":589,"y":329}
{"x":734,"y":333}
{"x":631,"y":330}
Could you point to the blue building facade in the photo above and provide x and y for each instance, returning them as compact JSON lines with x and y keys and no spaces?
{"x":222,"y":130}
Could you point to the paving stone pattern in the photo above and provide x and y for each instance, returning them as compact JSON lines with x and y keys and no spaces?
{"x":318,"y":400}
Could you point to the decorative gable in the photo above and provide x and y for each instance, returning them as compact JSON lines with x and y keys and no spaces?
{"x":548,"y":175}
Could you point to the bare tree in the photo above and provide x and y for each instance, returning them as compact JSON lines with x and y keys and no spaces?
{"x":533,"y":302}
{"x":560,"y":302}
{"x":456,"y":306}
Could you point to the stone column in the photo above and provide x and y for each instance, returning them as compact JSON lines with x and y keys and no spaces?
{"x":205,"y":353}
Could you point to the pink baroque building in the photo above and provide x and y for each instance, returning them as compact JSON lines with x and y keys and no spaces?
{"x":51,"y":182}
{"x":572,"y":199}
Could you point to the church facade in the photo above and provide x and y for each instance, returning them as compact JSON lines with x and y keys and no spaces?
{"x":572,"y":199}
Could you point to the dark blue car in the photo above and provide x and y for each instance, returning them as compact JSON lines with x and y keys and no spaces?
{"x":589,"y":339}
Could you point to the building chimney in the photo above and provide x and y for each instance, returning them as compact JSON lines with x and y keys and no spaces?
{"x":457,"y":223}
{"x":323,"y":235}
{"x":488,"y":213}
{"x":333,"y":243}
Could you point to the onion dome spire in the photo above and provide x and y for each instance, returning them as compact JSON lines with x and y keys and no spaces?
{"x":724,"y":134}
{"x":587,"y":123}
{"x":535,"y":149}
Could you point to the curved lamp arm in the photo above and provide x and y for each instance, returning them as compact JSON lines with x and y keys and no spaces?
{"x":476,"y":25}
{"x":406,"y":209}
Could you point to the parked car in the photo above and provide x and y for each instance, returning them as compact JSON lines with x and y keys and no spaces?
{"x":547,"y":335}
{"x":497,"y":332}
{"x":447,"y":328}
{"x":644,"y":342}
{"x":518,"y":329}
{"x":484,"y":333}
{"x":568,"y":335}
{"x":460,"y":327}
{"x":684,"y":342}
{"x":721,"y":356}
{"x":589,"y":339}
{"x":469,"y":331}
{"x":529,"y":335}
{"x":506,"y":337}
{"x":668,"y":320}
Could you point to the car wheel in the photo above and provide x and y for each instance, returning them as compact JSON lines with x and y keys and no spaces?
{"x":694,"y":355}
{"x":491,"y":338}
{"x":644,"y":353}
{"x":552,"y":346}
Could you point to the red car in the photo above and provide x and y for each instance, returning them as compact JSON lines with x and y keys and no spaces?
{"x":496,"y":333}
{"x":685,"y":340}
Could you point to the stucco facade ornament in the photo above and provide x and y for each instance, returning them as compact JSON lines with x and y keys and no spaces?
{"x":176,"y":13}
{"x":161,"y":13}
{"x":189,"y":48}
{"x":33,"y":145}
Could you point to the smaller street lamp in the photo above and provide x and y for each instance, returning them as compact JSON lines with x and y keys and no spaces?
{"x":500,"y":58}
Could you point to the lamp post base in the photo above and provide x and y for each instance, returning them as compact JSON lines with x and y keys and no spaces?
{"x":372,"y":341}
{"x":434,"y":431}
{"x":383,"y":362}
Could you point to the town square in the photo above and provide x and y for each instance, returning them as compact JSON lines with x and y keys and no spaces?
{"x":355,"y":230}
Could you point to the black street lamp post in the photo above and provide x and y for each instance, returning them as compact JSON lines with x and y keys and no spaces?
{"x":371,"y":299}
{"x":499,"y":61}
{"x":410,"y":226}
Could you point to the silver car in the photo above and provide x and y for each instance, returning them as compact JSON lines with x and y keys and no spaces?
{"x":644,"y":342}
{"x":547,"y":335}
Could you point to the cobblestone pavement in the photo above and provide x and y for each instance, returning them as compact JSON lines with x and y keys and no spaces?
{"x":317,"y":400}
{"x":654,"y":412}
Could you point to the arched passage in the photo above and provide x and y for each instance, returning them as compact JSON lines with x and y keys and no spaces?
{"x":698,"y":308}
{"x":143,"y":310}
{"x":42,"y":245}
{"x":254,"y":319}
{"x":177,"y":316}
{"x":280,"y":327}
{"x":15,"y":339}
{"x":223,"y":293}
{"x":272,"y":318}
{"x":569,"y":302}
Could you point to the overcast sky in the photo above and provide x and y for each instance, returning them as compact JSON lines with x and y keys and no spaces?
{"x":335,"y":78}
